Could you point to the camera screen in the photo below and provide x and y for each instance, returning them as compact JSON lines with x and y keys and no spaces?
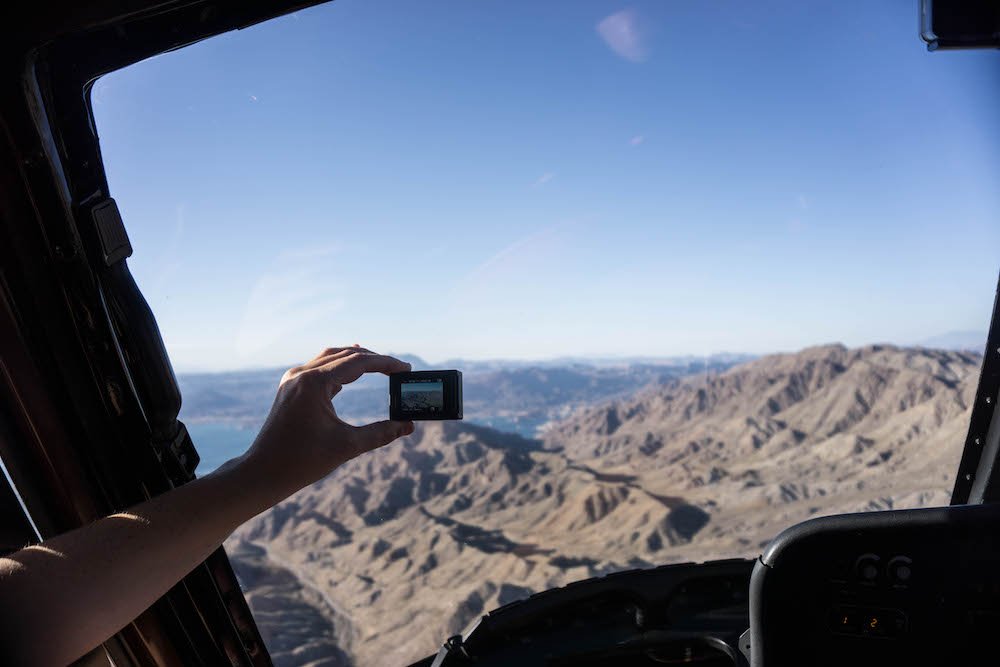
{"x":422,"y":396}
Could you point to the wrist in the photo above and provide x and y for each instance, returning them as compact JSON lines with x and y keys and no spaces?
{"x":255,"y":485}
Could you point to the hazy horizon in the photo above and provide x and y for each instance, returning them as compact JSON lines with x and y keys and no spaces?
{"x":929,"y":342}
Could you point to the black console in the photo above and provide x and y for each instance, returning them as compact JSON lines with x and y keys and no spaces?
{"x":907,"y":587}
{"x":688,"y":614}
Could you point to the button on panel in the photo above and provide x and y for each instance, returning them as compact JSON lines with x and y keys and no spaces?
{"x":868,"y":568}
{"x":846,"y":620}
{"x":900,"y":570}
{"x":868,"y":622}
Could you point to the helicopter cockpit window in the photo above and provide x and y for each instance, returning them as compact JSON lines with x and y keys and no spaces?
{"x":708,"y":271}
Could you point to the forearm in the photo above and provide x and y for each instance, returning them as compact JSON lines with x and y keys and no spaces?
{"x":67,"y":595}
{"x":62,"y":597}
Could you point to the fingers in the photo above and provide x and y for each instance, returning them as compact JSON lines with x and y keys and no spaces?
{"x":373,"y":436}
{"x":337,"y":351}
{"x":347,"y":369}
{"x":337,"y":366}
{"x":325,"y":357}
{"x":330,"y":354}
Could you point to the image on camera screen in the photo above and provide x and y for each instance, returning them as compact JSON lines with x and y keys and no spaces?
{"x":422,"y":396}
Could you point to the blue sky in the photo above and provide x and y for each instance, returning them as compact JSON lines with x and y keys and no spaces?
{"x":494,"y":179}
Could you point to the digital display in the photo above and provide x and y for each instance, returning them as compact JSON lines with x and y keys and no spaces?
{"x":425,"y":395}
{"x":422,"y":396}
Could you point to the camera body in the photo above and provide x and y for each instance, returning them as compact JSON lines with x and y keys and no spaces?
{"x":425,"y":395}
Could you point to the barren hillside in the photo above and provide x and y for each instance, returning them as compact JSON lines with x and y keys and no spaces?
{"x":378,"y":563}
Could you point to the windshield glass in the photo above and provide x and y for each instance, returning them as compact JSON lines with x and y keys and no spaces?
{"x":708,"y":269}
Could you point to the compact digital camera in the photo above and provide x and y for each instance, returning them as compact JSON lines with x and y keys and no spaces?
{"x":424,"y":395}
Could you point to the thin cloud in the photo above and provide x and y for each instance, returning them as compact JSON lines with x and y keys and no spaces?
{"x":545,"y":237}
{"x":636,"y":140}
{"x":621,"y":32}
{"x":294,"y":293}
{"x":310,"y":252}
{"x":171,"y":258}
{"x":543,"y":179}
{"x":803,"y":202}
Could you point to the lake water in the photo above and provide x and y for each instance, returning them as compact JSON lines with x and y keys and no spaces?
{"x":218,"y":442}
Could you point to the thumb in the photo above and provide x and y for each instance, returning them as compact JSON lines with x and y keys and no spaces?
{"x":372,"y":436}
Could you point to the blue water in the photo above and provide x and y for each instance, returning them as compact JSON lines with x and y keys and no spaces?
{"x":218,"y":442}
{"x":422,"y":385}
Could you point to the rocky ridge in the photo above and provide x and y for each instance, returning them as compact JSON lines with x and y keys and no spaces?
{"x":393,"y":552}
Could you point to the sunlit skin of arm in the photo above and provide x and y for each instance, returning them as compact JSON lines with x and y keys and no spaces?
{"x":67,"y":595}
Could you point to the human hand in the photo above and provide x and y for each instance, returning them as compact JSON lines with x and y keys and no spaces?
{"x":303,"y":439}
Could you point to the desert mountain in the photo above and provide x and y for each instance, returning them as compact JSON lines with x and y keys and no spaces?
{"x":382,"y":560}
